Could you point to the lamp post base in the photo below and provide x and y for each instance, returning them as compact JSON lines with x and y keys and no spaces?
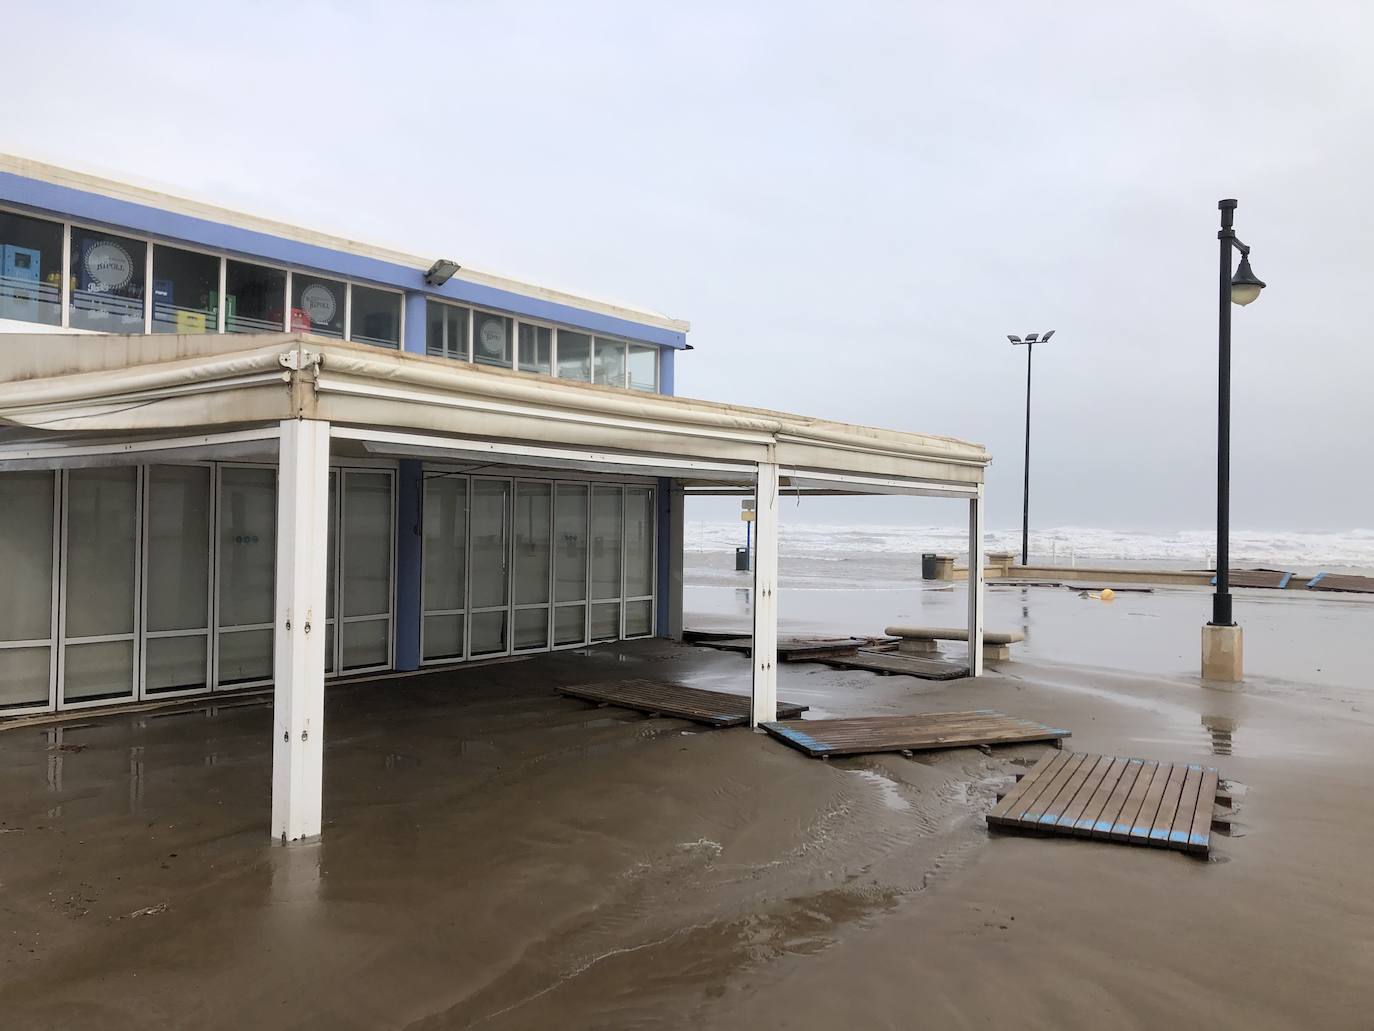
{"x":1223,"y":650}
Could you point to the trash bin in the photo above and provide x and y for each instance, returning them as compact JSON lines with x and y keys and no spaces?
{"x":929,"y":568}
{"x":741,"y":560}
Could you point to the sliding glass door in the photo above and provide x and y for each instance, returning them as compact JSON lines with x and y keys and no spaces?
{"x":533,"y":536}
{"x":608,"y":520}
{"x":445,"y":557}
{"x":177,"y":571}
{"x":366,"y":540}
{"x":28,"y":590}
{"x":570,"y":564}
{"x":247,"y":570}
{"x":639,"y":562}
{"x":100,"y":584}
{"x":489,"y":565}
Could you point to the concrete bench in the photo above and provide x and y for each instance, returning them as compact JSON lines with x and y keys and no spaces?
{"x":924,"y":640}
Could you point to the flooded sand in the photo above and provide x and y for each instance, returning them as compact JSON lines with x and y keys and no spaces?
{"x":496,"y":856}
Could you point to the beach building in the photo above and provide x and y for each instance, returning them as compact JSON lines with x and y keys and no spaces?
{"x":235,"y":453}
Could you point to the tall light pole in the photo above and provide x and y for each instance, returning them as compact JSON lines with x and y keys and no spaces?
{"x":1030,"y":342}
{"x":1221,"y":640}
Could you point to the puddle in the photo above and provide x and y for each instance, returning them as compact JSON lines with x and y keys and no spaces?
{"x":887,"y":790}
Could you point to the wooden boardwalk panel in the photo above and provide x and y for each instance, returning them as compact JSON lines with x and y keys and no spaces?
{"x":1342,"y":582}
{"x":889,"y":663}
{"x":713,"y":708}
{"x":1114,"y":798}
{"x":931,"y":730}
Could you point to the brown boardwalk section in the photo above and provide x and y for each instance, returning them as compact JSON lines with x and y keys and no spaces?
{"x":1133,"y":801}
{"x":1272,"y":578}
{"x":1342,"y":582}
{"x":659,"y":698}
{"x":823,"y":738}
{"x":791,"y":649}
{"x":895,"y":663}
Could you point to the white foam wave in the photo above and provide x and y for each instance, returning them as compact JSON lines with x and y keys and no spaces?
{"x":1080,"y":544}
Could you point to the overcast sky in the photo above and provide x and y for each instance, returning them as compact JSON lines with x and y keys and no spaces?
{"x":853,"y":203}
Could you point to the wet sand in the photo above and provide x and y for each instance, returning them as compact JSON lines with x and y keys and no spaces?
{"x":495,"y":856}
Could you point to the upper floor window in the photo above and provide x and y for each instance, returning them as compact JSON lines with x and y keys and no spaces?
{"x":255,"y":298}
{"x":574,"y":356}
{"x":108,"y":275}
{"x":317,"y":305}
{"x":536,"y":348}
{"x":446,"y":331}
{"x":375,"y":317}
{"x":491,"y":343}
{"x":30,"y":270}
{"x":185,"y":291}
{"x":609,"y":364}
{"x":643,"y":367}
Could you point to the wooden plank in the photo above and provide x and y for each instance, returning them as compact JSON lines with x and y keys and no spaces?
{"x":1069,"y":791}
{"x":1011,"y":815}
{"x":1168,"y":804}
{"x":1140,"y":829}
{"x":1200,"y":833}
{"x":926,"y":731}
{"x":1085,"y":792}
{"x":1130,"y":809}
{"x":1035,"y":808}
{"x":1342,"y":582}
{"x":712,"y":708}
{"x":1187,"y":807}
{"x":1047,"y":761}
{"x":1098,"y":800}
{"x":1116,"y":801}
{"x":896,"y":663}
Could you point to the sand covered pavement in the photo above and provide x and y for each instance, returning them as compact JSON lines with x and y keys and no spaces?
{"x":497,"y":856}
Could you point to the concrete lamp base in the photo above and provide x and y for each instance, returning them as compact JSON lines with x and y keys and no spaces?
{"x":1223,"y":650}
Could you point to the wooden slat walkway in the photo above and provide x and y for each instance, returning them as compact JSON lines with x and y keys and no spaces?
{"x":1342,"y":582}
{"x":662,"y":698}
{"x":1113,"y":798}
{"x":1276,"y":579}
{"x":791,"y":649}
{"x":922,"y":732}
{"x":876,"y":660}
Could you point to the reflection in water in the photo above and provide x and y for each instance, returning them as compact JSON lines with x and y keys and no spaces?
{"x":1221,"y":729}
{"x":296,"y":879}
{"x":136,"y":779}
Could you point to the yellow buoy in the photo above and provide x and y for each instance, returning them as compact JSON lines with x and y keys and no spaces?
{"x":1108,"y":594}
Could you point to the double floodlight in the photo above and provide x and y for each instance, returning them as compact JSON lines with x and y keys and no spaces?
{"x":441,"y":272}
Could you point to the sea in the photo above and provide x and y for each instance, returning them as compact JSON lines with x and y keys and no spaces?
{"x":896,"y":548}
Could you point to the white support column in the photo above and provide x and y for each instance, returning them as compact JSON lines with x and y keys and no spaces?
{"x":298,"y":666}
{"x":765,"y":651}
{"x":975,"y":584}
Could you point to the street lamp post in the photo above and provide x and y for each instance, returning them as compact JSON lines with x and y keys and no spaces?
{"x":1030,"y":342}
{"x":1221,"y":642}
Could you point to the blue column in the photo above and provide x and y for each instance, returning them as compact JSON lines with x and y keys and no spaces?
{"x":410,"y":488}
{"x":410,"y":485}
{"x":414,"y":343}
{"x":665,"y":370}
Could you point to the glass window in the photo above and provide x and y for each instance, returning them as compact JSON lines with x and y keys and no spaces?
{"x":30,"y":270}
{"x":607,"y":518}
{"x":639,"y":542}
{"x":185,"y":291}
{"x":255,"y":299}
{"x":376,"y":317}
{"x":574,"y":356}
{"x":317,"y":305}
{"x":108,"y":273}
{"x":643,"y":368}
{"x":491,"y":339}
{"x":610,"y":362}
{"x":446,"y":335}
{"x":536,"y":349}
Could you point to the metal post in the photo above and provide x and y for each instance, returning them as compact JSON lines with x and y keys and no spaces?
{"x":975,"y":584}
{"x":1221,"y":601}
{"x":298,"y":664}
{"x":764,"y":708}
{"x":1025,"y":488}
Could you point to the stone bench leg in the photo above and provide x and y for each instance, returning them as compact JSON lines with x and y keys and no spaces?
{"x":996,"y":652}
{"x":907,"y":646}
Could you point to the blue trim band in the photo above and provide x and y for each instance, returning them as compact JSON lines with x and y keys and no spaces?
{"x":66,"y":201}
